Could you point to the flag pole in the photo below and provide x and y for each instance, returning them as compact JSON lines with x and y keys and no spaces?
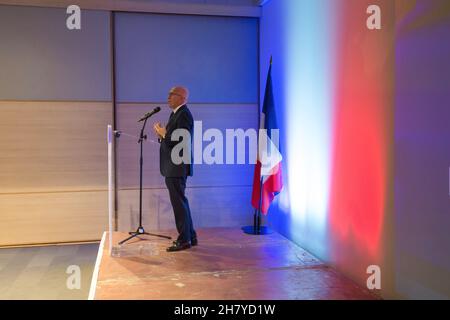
{"x":257,"y":229}
{"x":258,"y":222}
{"x":258,"y":226}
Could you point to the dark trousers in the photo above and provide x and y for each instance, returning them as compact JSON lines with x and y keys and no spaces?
{"x":181,"y":210}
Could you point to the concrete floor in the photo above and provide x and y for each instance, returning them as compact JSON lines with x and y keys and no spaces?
{"x":227,"y":264}
{"x":39,"y":273}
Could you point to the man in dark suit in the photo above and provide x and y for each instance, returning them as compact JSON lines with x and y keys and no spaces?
{"x":174,"y":170}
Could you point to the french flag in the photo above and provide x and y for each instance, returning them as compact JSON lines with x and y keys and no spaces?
{"x":267,"y":179}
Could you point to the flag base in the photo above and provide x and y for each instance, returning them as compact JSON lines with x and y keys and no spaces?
{"x":253,"y":230}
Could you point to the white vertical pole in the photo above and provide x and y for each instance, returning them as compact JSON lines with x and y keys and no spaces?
{"x":110,"y":186}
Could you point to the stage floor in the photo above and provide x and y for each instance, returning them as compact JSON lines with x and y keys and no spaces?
{"x":227,"y":264}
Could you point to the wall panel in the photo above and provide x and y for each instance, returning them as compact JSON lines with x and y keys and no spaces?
{"x":53,"y":146}
{"x":216,"y":57}
{"x":55,"y":88}
{"x":53,"y":171}
{"x":422,"y":153}
{"x":41,"y":59}
{"x":211,"y":115}
{"x":52,"y":217}
{"x":210,"y":207}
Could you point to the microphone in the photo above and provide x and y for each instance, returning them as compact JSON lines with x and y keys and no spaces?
{"x":149,"y":114}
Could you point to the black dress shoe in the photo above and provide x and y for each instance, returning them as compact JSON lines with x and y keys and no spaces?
{"x":178,"y":246}
{"x":194,"y":242}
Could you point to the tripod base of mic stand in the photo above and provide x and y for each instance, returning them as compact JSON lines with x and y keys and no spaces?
{"x":140,"y":231}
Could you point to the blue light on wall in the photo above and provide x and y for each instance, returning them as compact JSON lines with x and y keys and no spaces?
{"x":305,"y":46}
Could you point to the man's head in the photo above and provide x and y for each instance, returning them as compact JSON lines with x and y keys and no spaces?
{"x":177,"y":96}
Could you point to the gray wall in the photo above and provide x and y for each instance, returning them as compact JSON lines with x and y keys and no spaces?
{"x":41,"y":59}
{"x":422,"y":151}
{"x":53,"y":184}
{"x":217,"y":59}
{"x":55,"y":104}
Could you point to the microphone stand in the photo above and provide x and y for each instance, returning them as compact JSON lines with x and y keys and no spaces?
{"x":140,"y":230}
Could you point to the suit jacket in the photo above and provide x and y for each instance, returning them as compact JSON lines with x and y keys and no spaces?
{"x":182,"y":119}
